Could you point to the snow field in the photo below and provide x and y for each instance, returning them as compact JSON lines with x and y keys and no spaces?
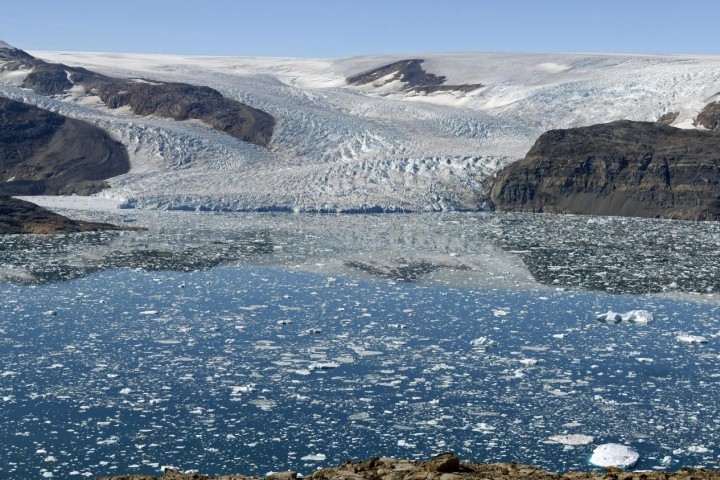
{"x":344,"y":148}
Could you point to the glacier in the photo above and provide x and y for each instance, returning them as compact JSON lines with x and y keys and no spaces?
{"x":368,"y":148}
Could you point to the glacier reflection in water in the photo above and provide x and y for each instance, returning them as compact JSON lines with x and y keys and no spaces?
{"x":258,"y":368}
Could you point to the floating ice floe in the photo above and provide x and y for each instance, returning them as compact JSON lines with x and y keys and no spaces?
{"x":317,"y":457}
{"x":237,"y":390}
{"x":483,"y":343}
{"x":641,"y":317}
{"x":572,"y":439}
{"x":685,"y":338}
{"x":323,"y":365}
{"x":614,"y":455}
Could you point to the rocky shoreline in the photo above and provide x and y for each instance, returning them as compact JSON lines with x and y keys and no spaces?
{"x":442,"y":467}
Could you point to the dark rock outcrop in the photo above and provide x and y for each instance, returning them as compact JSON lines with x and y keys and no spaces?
{"x":42,"y":152}
{"x":407,"y":71}
{"x":178,"y":101}
{"x":709,"y":117}
{"x":392,"y":469}
{"x":411,"y":73}
{"x":181,"y":101}
{"x":622,"y":168}
{"x":668,"y":118}
{"x":19,"y":216}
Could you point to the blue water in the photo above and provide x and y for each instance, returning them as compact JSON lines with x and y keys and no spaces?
{"x":250,"y":369}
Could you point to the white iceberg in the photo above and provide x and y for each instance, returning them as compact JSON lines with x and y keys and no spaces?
{"x":640,"y":317}
{"x":483,"y":343}
{"x":614,"y":455}
{"x":318,"y":457}
{"x":572,"y":439}
{"x":685,"y":338}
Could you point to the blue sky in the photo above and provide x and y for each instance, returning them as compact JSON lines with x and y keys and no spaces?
{"x":336,"y":28}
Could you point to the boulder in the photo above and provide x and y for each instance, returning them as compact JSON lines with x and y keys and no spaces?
{"x":444,"y":463}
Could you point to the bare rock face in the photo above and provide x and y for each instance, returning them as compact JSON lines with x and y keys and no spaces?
{"x":668,"y":118}
{"x":42,"y":152}
{"x":18,"y":216}
{"x":411,"y":73}
{"x":178,"y":101}
{"x":621,"y":168}
{"x":709,"y":117}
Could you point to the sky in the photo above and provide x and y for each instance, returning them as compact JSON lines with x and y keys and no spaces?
{"x":340,"y":28}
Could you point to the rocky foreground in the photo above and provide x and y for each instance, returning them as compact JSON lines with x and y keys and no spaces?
{"x":443,"y":467}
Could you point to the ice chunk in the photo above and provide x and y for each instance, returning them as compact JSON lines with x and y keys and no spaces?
{"x":685,"y":338}
{"x":614,"y":455}
{"x":238,"y":390}
{"x":641,"y":317}
{"x":317,"y":457}
{"x":572,"y":439}
{"x":323,"y":365}
{"x":483,"y":343}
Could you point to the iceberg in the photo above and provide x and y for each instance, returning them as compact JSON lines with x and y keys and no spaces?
{"x":640,"y":317}
{"x":614,"y":455}
{"x":572,"y":439}
{"x":685,"y":338}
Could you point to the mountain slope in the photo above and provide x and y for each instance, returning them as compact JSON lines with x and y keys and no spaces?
{"x":43,"y":152}
{"x":174,"y":100}
{"x":624,"y":168}
{"x":375,"y":146}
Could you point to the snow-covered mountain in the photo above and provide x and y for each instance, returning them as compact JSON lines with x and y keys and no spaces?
{"x":375,"y":145}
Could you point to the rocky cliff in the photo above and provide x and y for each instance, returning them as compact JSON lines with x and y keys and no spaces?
{"x":179,"y":101}
{"x":443,"y":467}
{"x":19,"y":216}
{"x":42,"y":152}
{"x":621,"y":168}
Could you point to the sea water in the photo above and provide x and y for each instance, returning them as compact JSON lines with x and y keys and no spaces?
{"x":260,"y":365}
{"x":255,"y":369}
